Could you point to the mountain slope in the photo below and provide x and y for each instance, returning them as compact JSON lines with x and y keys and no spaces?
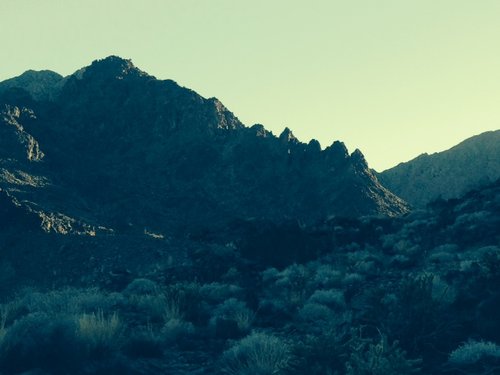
{"x":41,"y":85}
{"x":448,"y":174}
{"x":118,"y":148}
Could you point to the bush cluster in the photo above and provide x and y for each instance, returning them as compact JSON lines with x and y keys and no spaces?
{"x":408,"y":295}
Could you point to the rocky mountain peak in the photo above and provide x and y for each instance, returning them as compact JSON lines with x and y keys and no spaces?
{"x":112,"y":67}
{"x":41,"y":85}
{"x":287,"y":137}
{"x":260,"y":131}
{"x":314,"y":146}
{"x":358,"y":158}
{"x":225,"y":119}
{"x":337,"y":151}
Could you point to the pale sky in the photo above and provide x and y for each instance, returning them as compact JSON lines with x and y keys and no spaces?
{"x":394,"y":78}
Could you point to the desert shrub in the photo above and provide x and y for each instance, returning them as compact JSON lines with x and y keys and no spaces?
{"x":151,"y":308}
{"x":368,"y":268}
{"x":353,"y":280}
{"x":401,"y":261}
{"x":232,"y":275}
{"x":93,"y":300}
{"x":379,"y":358}
{"x":474,"y":351}
{"x":172,"y":310}
{"x":41,"y":341}
{"x":388,"y":241}
{"x":316,"y":320}
{"x":53,"y":302}
{"x":184,"y":302}
{"x":368,"y":254}
{"x":372,"y":304}
{"x":70,"y":301}
{"x":144,"y":342}
{"x":468,"y":266}
{"x":101,"y":335}
{"x":176,"y":328}
{"x":489,"y":259}
{"x":421,"y":320}
{"x":321,"y":352}
{"x":286,"y":292}
{"x":273,"y":312}
{"x":332,"y":298}
{"x":234,"y":310}
{"x":442,"y":257}
{"x":326,"y":276}
{"x":257,"y":354}
{"x":215,"y":293}
{"x":146,"y":305}
{"x":442,"y":292}
{"x":291,"y":286}
{"x":141,"y":287}
{"x":315,"y":313}
{"x":270,"y":275}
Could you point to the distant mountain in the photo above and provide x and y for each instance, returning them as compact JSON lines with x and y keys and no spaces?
{"x":41,"y":85}
{"x":113,"y":148}
{"x":448,"y":174}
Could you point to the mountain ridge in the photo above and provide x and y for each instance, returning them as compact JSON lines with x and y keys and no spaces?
{"x":448,"y":174}
{"x":122,"y":149}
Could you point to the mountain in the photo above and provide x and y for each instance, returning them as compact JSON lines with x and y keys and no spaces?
{"x":41,"y":85}
{"x":145,"y":230}
{"x":111,"y":148}
{"x":448,"y":174}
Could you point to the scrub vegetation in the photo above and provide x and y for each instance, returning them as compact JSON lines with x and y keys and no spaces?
{"x":410,"y":295}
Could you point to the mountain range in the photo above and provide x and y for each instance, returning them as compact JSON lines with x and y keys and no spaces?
{"x":113,"y":149}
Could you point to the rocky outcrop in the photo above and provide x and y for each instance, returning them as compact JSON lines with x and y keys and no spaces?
{"x":15,"y":141}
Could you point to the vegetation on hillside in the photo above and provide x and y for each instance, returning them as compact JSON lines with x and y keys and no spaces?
{"x":411,"y":295}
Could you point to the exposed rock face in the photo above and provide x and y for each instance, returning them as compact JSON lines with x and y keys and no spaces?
{"x":449,"y":174}
{"x":125,"y":151}
{"x":16,"y":136}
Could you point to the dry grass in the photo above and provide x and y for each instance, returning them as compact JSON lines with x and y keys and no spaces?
{"x":99,"y":332}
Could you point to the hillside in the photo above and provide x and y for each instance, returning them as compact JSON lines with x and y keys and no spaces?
{"x":448,"y":174}
{"x":145,"y":230}
{"x":409,"y":295}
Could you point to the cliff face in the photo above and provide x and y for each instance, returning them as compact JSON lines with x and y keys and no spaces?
{"x":113,"y":147}
{"x":449,"y":174}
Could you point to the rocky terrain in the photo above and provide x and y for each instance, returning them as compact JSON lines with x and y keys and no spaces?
{"x":448,"y":174}
{"x":145,"y":230}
